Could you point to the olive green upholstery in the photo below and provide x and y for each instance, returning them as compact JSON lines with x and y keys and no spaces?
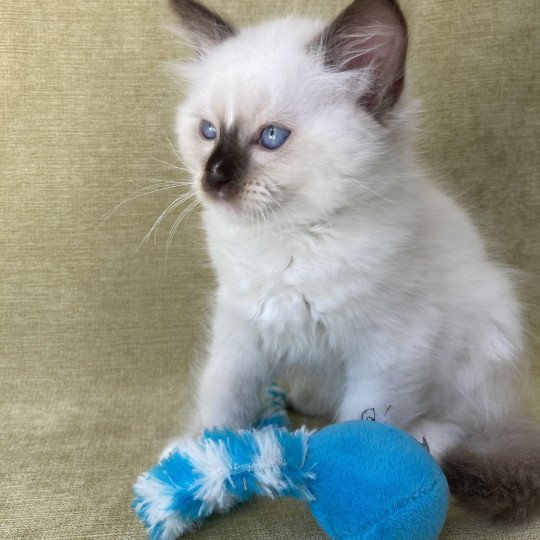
{"x":97,"y":339}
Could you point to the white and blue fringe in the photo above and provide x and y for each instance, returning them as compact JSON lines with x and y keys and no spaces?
{"x":222,"y":469}
{"x":273,"y":408}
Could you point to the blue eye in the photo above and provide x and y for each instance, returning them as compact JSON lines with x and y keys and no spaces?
{"x":273,"y":137}
{"x":208,"y":130}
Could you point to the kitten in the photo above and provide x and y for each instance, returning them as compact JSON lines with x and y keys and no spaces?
{"x":341,"y":268}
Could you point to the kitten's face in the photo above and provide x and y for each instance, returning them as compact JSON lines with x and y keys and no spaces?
{"x":270,"y":133}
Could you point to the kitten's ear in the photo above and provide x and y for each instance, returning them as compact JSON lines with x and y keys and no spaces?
{"x":369,"y":34}
{"x":201,"y":25}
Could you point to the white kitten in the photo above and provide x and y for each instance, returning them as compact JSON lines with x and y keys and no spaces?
{"x":341,"y":267}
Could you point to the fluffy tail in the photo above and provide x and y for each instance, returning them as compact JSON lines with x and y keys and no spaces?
{"x":498,"y":474}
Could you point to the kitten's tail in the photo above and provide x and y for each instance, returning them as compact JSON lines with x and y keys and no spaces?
{"x":498,"y":474}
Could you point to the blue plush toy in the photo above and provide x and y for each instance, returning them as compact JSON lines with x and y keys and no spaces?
{"x":361,"y":479}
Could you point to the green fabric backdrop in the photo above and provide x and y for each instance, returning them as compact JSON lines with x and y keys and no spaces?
{"x":96,"y":338}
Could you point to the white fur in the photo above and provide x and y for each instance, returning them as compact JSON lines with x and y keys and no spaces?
{"x":213,"y":462}
{"x":160,"y":498}
{"x":343,"y":268}
{"x":268,"y":462}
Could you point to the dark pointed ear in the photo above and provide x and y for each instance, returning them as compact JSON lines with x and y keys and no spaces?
{"x":369,"y":35}
{"x":201,"y":25}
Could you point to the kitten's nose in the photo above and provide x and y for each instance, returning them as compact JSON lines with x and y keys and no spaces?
{"x":218,"y":174}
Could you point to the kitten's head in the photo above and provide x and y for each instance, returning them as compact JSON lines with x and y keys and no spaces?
{"x":289,"y":118}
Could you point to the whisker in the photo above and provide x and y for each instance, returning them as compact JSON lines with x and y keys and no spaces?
{"x":181,"y":161}
{"x":259,"y":214}
{"x":183,"y":169}
{"x":251,"y":213}
{"x":187,"y":210}
{"x":177,"y":202}
{"x":147,"y":190}
{"x":276,"y":218}
{"x":267,"y":219}
{"x":264,"y":214}
{"x":283,"y":209}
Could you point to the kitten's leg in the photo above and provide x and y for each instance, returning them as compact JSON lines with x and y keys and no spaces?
{"x":369,"y":400}
{"x":382,"y":386}
{"x":233,"y":380}
{"x":365,"y":398}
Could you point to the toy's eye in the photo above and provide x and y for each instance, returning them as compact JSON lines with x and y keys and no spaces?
{"x":273,"y":137}
{"x":208,"y":130}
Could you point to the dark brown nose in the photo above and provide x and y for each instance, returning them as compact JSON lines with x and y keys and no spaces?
{"x":226,"y":166}
{"x":218,"y":174}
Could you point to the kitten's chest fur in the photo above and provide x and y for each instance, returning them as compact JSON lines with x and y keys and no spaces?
{"x":279,"y":287}
{"x":302,"y":291}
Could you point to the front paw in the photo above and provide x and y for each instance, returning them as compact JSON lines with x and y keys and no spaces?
{"x":175,"y":443}
{"x":192,"y":433}
{"x":436,"y":436}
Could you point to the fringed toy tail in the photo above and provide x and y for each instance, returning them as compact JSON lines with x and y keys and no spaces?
{"x":222,"y":469}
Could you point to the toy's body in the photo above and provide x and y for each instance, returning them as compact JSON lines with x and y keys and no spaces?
{"x":361,"y":479}
{"x":375,"y":482}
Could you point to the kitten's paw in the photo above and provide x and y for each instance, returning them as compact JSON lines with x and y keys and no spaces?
{"x":175,"y":443}
{"x":437,"y":437}
{"x":191,"y":434}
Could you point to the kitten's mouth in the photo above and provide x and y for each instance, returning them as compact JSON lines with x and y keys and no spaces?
{"x":227,"y":197}
{"x":252,"y":201}
{"x":224,"y":192}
